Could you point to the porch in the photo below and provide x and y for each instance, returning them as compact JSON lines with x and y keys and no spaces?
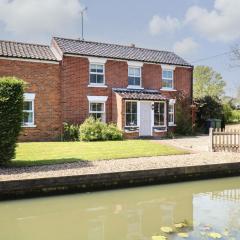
{"x":144,"y":113}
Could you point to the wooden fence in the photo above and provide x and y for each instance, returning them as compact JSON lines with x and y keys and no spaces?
{"x":224,"y":140}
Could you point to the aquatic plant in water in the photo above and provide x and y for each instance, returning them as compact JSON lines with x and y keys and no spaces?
{"x":184,"y":230}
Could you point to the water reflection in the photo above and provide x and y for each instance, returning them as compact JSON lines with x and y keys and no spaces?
{"x":131,"y":214}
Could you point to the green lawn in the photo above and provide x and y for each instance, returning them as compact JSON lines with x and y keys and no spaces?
{"x":40,"y":153}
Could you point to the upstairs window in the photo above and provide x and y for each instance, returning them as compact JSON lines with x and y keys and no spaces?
{"x":159,"y":114}
{"x":97,"y":74}
{"x":167,"y":79}
{"x":134,"y":76}
{"x":97,"y":110}
{"x":131,"y":114}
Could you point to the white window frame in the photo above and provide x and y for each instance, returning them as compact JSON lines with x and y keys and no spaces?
{"x":171,"y":79}
{"x":97,"y":61}
{"x":96,"y":73}
{"x":135,"y":64}
{"x":29,"y":97}
{"x":172,"y":103}
{"x":98,"y":99}
{"x":103,"y":113}
{"x":140,"y":76}
{"x":171,"y":68}
{"x":165,"y":116}
{"x":138,"y":113}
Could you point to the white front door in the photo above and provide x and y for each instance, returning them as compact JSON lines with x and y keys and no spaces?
{"x":145,"y":119}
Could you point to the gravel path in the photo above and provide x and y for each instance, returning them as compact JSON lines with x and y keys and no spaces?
{"x":198,"y":145}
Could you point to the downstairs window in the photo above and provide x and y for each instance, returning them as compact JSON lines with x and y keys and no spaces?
{"x":97,"y":110}
{"x":159,"y":114}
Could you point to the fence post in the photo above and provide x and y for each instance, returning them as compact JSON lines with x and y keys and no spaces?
{"x":211,"y":140}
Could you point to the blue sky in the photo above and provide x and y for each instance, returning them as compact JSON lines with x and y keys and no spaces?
{"x":194,"y":29}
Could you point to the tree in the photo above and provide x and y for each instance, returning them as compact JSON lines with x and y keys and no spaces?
{"x":207,"y":82}
{"x":208,"y":107}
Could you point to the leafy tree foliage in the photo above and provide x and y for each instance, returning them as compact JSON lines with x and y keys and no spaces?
{"x":207,"y":82}
{"x":208,"y":107}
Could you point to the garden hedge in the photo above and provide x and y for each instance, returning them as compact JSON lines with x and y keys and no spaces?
{"x":11,"y":115}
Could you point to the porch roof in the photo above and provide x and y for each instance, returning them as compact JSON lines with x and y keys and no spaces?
{"x":140,"y":94}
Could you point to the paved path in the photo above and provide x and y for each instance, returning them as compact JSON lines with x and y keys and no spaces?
{"x":198,"y":145}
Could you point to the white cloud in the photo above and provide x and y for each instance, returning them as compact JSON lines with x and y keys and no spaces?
{"x":40,"y":17}
{"x":158,"y":25}
{"x":186,"y":47}
{"x":221,"y":23}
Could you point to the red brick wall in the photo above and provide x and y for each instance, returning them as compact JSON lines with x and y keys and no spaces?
{"x":151,"y":76}
{"x":61,"y":91}
{"x":43,"y":80}
{"x":75,"y":80}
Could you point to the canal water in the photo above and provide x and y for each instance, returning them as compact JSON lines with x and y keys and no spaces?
{"x":201,"y":209}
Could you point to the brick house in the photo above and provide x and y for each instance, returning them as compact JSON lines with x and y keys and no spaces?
{"x":133,"y":87}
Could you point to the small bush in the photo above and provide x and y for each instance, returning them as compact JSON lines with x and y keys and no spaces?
{"x":95,"y":130}
{"x":111,"y":132}
{"x":11,"y":115}
{"x":235,"y":118}
{"x":91,"y":130}
{"x":71,"y":132}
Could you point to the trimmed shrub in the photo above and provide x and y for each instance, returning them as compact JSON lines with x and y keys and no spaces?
{"x":95,"y":130}
{"x":111,"y":132}
{"x":11,"y":115}
{"x":71,"y":132}
{"x":91,"y":130}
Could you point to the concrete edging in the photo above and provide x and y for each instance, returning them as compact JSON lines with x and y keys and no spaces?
{"x":103,"y":181}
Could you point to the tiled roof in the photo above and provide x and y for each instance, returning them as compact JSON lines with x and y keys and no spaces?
{"x":144,"y":94}
{"x":26,"y":50}
{"x":97,"y":49}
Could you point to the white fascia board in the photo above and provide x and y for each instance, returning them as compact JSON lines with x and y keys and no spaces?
{"x":97,"y":60}
{"x":134,"y":64}
{"x":29,"y":96}
{"x":97,"y":98}
{"x":168,"y":67}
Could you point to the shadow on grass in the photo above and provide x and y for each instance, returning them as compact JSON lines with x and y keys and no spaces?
{"x":44,"y":165}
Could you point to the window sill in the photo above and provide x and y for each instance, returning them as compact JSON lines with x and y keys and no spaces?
{"x":156,"y":130}
{"x":131,"y":131}
{"x":97,"y":86}
{"x":134,"y":87}
{"x":172,"y":124}
{"x":29,"y":126}
{"x":168,"y":89}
